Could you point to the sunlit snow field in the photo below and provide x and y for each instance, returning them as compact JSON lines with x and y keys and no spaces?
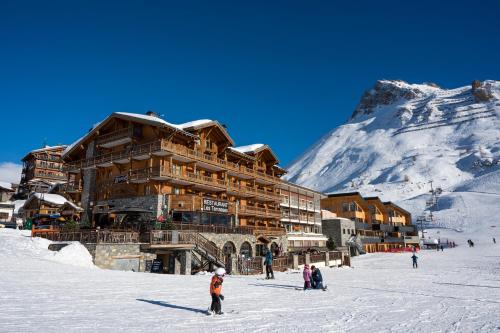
{"x":457,"y":290}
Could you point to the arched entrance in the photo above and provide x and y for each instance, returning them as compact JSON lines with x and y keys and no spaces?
{"x":229,"y":248}
{"x":275,"y":249}
{"x":246,"y":250}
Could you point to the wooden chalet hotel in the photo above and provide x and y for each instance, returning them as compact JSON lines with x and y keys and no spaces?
{"x":130,"y":164}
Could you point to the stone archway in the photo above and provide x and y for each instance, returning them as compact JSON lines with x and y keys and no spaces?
{"x":246,"y":250}
{"x":275,"y":249}
{"x":229,"y":248}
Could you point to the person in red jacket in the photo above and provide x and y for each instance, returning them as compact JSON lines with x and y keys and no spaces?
{"x":215,"y":291}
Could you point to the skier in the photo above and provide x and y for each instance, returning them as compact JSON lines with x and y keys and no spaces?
{"x":442,"y":248}
{"x":494,"y":240}
{"x":307,"y":277}
{"x":215,"y":291}
{"x":414,"y":259}
{"x":316,"y":278}
{"x":269,"y":265}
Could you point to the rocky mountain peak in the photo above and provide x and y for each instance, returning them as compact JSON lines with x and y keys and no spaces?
{"x":386,"y":92}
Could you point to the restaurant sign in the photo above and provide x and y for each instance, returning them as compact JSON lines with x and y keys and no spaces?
{"x":216,"y":206}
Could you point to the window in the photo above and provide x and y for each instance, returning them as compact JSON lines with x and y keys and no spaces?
{"x":176,"y":169}
{"x":345,"y":207}
{"x":176,"y":190}
{"x":343,"y":231}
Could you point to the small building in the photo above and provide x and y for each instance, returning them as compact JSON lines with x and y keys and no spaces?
{"x":6,"y":205}
{"x":340,"y":230}
{"x":43,"y":204}
{"x":381,"y":226}
{"x":301,"y":216}
{"x":42,"y":168}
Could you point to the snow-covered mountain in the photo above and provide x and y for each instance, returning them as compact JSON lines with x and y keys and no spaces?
{"x":403,"y":135}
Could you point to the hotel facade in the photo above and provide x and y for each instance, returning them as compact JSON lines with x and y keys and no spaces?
{"x":190,"y":173}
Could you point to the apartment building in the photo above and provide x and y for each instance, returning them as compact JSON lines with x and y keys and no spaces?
{"x":42,"y":168}
{"x":382,"y":226}
{"x":301,"y":217}
{"x":191,"y":173}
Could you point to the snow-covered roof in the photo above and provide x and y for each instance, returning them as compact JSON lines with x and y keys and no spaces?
{"x":156,"y":121}
{"x":145,"y":117}
{"x":48,"y":148}
{"x":54,"y":199}
{"x":195,"y":123}
{"x":6,"y":186}
{"x":254,"y":148}
{"x":74,"y":206}
{"x":18,"y":204}
{"x":249,"y":148}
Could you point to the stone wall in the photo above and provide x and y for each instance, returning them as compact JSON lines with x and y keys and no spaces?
{"x":88,"y":187}
{"x":119,"y":256}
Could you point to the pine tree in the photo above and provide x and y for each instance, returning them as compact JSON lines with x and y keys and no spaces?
{"x":330,"y":244}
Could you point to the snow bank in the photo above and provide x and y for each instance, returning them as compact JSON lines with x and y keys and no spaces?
{"x":20,"y":245}
{"x":74,"y":254}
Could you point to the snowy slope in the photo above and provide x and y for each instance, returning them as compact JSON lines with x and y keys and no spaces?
{"x":403,"y":135}
{"x":457,"y":290}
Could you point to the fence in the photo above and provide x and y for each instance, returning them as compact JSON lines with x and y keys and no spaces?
{"x":282,"y":263}
{"x":320,"y":257}
{"x":247,"y":266}
{"x":88,"y":236}
{"x":335,"y":255}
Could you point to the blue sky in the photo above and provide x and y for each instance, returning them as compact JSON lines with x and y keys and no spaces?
{"x":282,"y":73}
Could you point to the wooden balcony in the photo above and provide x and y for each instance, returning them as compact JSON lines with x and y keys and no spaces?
{"x":72,"y":187}
{"x":397,"y":219}
{"x":46,"y":175}
{"x":179,"y":153}
{"x":259,"y":211}
{"x":116,"y":138}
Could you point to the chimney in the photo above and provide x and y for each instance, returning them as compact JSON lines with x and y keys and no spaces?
{"x":152,"y":114}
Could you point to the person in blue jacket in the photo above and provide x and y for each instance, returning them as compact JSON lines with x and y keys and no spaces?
{"x":414,"y":259}
{"x":268,"y":261}
{"x":317,"y":279}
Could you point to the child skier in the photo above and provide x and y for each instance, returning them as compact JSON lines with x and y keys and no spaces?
{"x":316,"y":278}
{"x":307,"y":277}
{"x":215,"y":291}
{"x":414,"y":259}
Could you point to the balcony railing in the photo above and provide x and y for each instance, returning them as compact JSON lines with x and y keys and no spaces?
{"x":259,"y":211}
{"x":48,"y":166}
{"x":165,"y":173}
{"x":113,"y":136}
{"x":46,"y":175}
{"x":168,"y":147}
{"x":72,"y":187}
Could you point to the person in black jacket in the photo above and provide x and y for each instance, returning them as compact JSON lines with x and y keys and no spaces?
{"x":316,"y":278}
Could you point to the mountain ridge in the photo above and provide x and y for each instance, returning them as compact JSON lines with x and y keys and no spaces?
{"x":401,"y":136}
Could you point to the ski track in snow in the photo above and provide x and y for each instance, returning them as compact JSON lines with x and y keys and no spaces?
{"x":457,"y":290}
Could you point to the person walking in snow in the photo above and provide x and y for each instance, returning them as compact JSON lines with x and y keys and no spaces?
{"x":442,"y":248}
{"x":414,"y":259}
{"x":316,"y":278}
{"x":494,"y":240}
{"x":307,"y":277}
{"x":268,"y":261}
{"x":215,"y":291}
